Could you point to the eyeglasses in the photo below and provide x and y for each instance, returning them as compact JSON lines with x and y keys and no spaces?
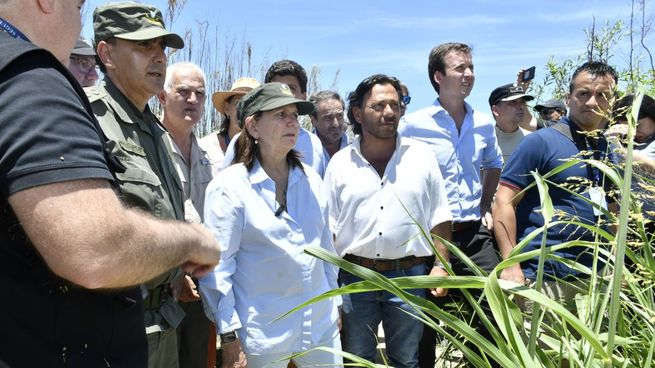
{"x":84,"y":64}
{"x":546,"y":111}
{"x":406,"y":100}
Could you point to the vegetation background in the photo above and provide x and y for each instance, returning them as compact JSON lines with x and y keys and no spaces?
{"x":615,"y":324}
{"x":341,"y":42}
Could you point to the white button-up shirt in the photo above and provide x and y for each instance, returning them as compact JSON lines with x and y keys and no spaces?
{"x":461,"y":155}
{"x":374,"y":217}
{"x":263,"y":271}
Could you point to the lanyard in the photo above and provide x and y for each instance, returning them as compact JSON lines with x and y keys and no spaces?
{"x":13,"y":32}
{"x":594,"y":153}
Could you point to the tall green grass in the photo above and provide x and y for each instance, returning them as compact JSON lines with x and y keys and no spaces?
{"x":613,"y":324}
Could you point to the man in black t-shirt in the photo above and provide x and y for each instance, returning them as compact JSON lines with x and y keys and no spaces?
{"x":69,"y":251}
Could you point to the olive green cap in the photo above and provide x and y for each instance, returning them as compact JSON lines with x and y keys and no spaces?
{"x":267,"y":97}
{"x":132,"y":21}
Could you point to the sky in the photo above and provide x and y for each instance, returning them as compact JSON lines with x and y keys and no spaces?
{"x":358,"y":38}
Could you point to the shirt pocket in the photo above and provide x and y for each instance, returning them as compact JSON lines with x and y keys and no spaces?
{"x":140,"y":186}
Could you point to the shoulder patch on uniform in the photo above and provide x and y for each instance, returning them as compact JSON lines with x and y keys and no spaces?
{"x":94,"y":93}
{"x":132,"y":148}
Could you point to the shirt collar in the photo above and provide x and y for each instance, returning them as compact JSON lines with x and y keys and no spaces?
{"x":258,"y":176}
{"x":436,"y":108}
{"x":356,"y":144}
{"x":117,"y":95}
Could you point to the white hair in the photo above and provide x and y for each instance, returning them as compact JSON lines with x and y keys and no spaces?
{"x":171,"y":69}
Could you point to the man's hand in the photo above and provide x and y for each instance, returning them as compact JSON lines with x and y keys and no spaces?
{"x":519,"y":81}
{"x":233,"y":355}
{"x":204,"y":256}
{"x":185,"y":290}
{"x":438,"y":271}
{"x":513,"y":273}
{"x":487,"y":220}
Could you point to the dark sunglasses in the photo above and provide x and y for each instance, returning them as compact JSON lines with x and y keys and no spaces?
{"x":546,"y":111}
{"x":406,"y":100}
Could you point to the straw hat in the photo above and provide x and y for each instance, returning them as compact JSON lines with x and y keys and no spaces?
{"x":239,"y":88}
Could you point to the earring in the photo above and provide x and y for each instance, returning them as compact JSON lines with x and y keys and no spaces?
{"x":256,"y":141}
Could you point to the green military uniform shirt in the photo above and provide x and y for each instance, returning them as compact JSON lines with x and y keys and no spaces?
{"x":149,"y":182}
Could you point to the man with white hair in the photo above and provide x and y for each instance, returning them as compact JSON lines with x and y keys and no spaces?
{"x":183,"y":101}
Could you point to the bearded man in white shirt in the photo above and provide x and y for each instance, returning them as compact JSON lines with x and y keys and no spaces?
{"x":381,"y":189}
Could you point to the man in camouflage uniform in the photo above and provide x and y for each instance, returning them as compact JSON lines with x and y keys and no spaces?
{"x":130,"y":40}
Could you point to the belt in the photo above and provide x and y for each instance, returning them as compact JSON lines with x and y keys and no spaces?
{"x":459,"y":226}
{"x":381,"y":265}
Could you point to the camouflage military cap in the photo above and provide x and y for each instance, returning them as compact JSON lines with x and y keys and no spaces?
{"x":132,"y":21}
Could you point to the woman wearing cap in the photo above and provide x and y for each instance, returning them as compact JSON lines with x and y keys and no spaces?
{"x":264,"y":210}
{"x":225,"y":102}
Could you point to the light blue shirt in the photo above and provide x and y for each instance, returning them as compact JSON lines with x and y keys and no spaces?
{"x":461,"y":155}
{"x":263,"y":272}
{"x":308,"y":145}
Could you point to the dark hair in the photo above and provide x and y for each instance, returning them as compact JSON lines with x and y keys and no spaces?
{"x":436,"y":60}
{"x":622,"y":107}
{"x":356,"y":97}
{"x":101,"y":65}
{"x":246,"y":150}
{"x":224,"y":126}
{"x":324,"y":96}
{"x":593,"y":68}
{"x":287,"y":67}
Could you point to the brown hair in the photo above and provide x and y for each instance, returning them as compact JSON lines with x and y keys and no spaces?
{"x":437,"y":59}
{"x":246,"y":150}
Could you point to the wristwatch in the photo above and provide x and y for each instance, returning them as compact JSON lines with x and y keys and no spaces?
{"x":228,"y":337}
{"x":439,"y":264}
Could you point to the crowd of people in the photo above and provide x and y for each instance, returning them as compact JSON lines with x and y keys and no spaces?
{"x":127,"y":241}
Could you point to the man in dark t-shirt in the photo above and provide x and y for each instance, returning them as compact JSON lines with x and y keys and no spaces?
{"x":577,"y":193}
{"x":70,"y":253}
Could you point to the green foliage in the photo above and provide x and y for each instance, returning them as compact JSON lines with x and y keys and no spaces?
{"x":613,"y":323}
{"x":602,"y":45}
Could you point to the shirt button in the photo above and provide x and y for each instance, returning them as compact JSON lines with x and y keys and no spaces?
{"x":381,"y":207}
{"x":380,"y":233}
{"x":377,"y":255}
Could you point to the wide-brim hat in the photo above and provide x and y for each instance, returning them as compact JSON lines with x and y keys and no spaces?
{"x":508,"y":92}
{"x":133,"y":22}
{"x":270,"y":96}
{"x":239,"y":88}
